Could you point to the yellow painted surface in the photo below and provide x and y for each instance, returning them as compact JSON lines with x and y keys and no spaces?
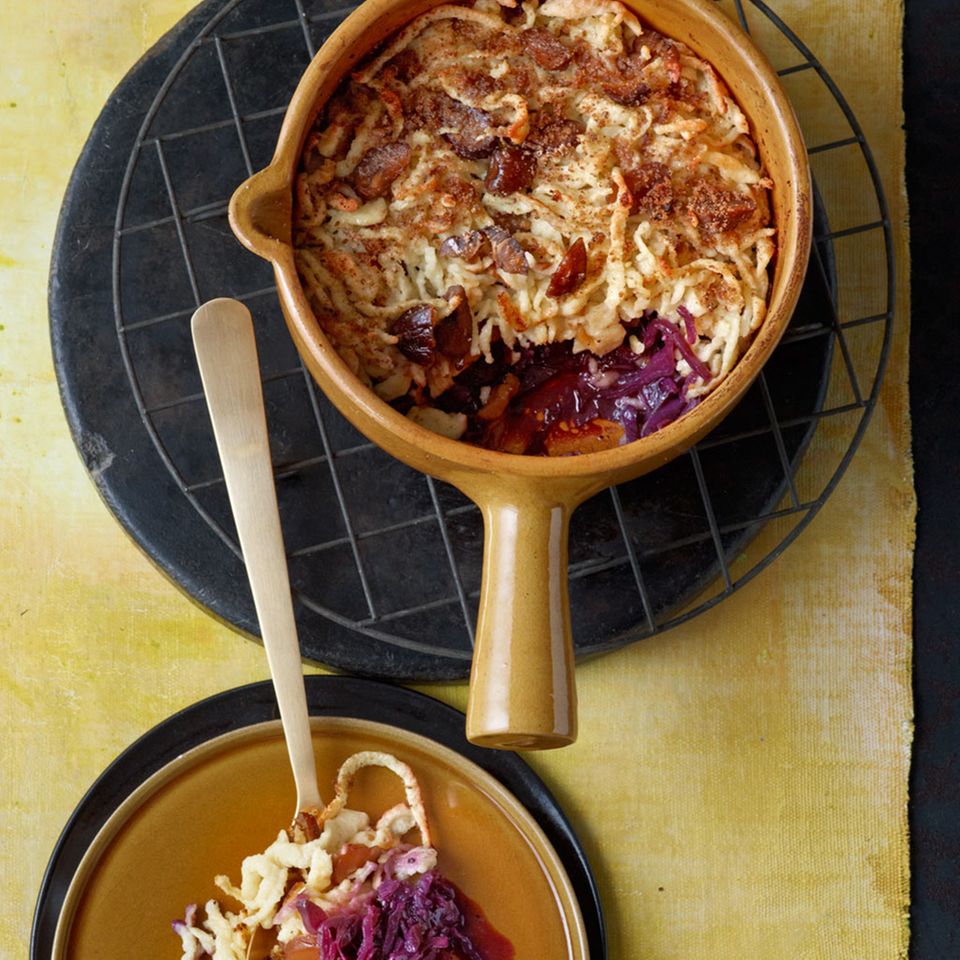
{"x":740,"y":783}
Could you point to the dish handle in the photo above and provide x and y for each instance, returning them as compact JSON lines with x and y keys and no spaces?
{"x":522,"y":687}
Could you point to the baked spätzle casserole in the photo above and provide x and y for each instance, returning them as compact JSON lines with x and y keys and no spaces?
{"x":541,"y":228}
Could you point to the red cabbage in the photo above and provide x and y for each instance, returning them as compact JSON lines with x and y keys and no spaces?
{"x":311,"y":913}
{"x":666,"y":413}
{"x":670,"y":333}
{"x":641,"y":392}
{"x":399,"y":921}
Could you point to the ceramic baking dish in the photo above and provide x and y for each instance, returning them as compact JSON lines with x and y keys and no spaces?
{"x":522,"y":689}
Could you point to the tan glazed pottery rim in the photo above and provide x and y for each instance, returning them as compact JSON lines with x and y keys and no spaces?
{"x":521,"y":686}
{"x":513,"y":811}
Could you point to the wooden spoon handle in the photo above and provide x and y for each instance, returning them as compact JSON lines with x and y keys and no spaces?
{"x":522,"y":694}
{"x":226,"y":351}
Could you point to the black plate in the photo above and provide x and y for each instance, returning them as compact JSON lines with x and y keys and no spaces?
{"x":385,"y":564}
{"x":326,"y":696}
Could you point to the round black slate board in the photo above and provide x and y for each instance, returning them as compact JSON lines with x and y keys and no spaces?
{"x":385,"y":563}
{"x":326,"y":696}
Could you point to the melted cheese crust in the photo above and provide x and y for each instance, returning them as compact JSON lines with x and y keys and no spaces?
{"x":637,"y":149}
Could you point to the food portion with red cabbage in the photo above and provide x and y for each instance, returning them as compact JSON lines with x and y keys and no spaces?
{"x":338,"y":887}
{"x":542,"y":228}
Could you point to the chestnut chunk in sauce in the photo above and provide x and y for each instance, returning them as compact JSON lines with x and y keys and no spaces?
{"x":507,"y":252}
{"x":467,"y":129}
{"x":467,"y":246}
{"x":454,"y":333}
{"x":414,"y":332}
{"x":511,"y":169}
{"x":379,"y":167}
{"x":571,"y":271}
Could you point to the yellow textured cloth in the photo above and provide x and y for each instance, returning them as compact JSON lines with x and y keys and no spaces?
{"x":739,"y":784}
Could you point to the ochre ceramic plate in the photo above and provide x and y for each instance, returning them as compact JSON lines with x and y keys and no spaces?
{"x":203,"y":812}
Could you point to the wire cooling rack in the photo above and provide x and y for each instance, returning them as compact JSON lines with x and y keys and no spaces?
{"x":385,"y":563}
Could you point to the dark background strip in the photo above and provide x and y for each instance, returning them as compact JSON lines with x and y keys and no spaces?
{"x":932,"y":107}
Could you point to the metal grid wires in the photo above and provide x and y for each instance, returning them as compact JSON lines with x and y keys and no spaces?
{"x":393,"y":556}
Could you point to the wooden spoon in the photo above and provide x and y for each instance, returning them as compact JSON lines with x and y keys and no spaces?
{"x":261,"y":943}
{"x":226,"y":351}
